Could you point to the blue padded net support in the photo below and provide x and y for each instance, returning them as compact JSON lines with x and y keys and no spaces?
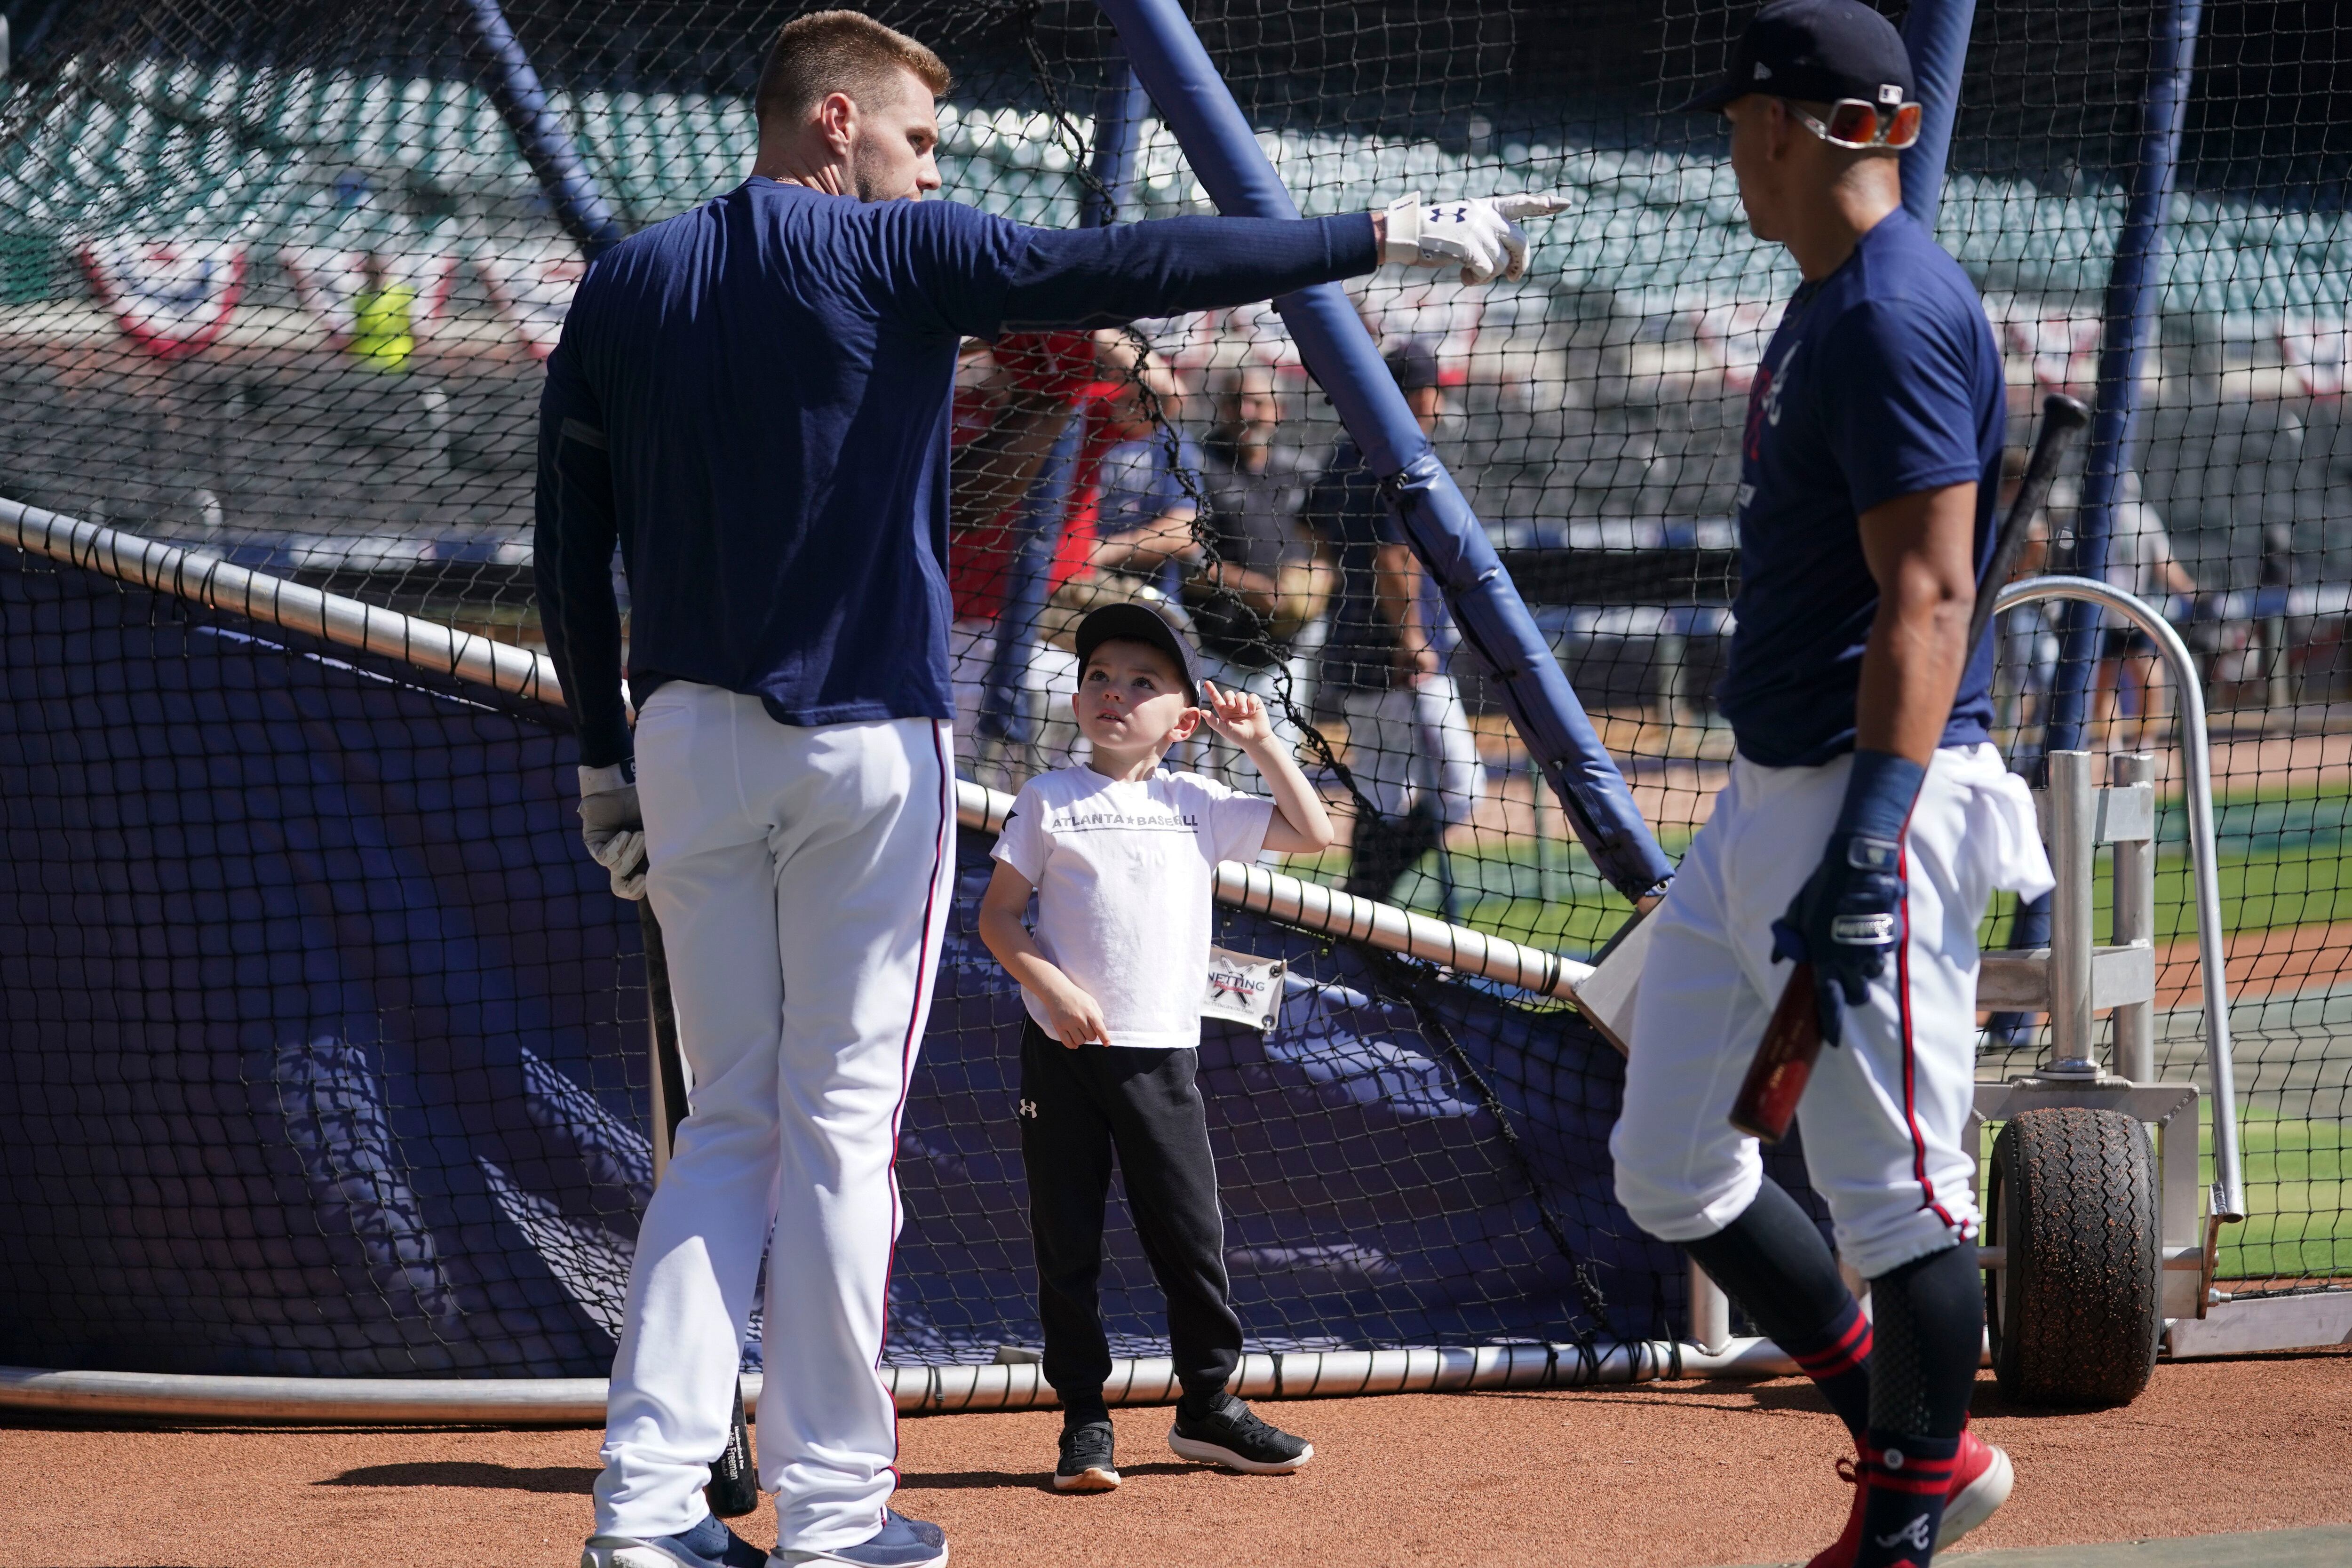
{"x":325,"y":1055}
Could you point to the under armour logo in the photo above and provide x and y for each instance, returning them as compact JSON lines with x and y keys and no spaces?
{"x":1029,"y":1109}
{"x":1914,"y":1534}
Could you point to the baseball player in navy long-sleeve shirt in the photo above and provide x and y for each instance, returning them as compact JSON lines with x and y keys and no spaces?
{"x":751,"y":400}
{"x":1867,"y":820}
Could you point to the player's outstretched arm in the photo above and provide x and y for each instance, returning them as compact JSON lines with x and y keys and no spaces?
{"x":1107,"y":277}
{"x":1300,"y":825}
{"x":1078,"y":1017}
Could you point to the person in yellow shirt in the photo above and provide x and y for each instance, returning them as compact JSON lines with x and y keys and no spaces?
{"x":384,"y":331}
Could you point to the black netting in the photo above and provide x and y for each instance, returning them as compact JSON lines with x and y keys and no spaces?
{"x":275,"y":282}
{"x":326,"y":1055}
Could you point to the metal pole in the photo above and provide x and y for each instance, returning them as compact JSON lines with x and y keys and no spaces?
{"x":2073,"y":804}
{"x":2197,"y":776}
{"x":348,"y":623}
{"x":1935,"y":32}
{"x":1710,"y":1311}
{"x":522,"y":103}
{"x":2134,"y":919}
{"x":2133,"y":286}
{"x":1444,"y":533}
{"x":1119,"y":109}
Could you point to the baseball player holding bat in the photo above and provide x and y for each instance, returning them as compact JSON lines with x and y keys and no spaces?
{"x":752,"y":400}
{"x":1867,"y":820}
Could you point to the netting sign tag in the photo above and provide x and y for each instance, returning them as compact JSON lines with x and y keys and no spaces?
{"x":1243,"y":989}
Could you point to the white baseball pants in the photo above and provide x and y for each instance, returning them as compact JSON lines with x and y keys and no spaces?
{"x":1411,"y":742}
{"x":1886,"y":1113}
{"x":803,"y":879}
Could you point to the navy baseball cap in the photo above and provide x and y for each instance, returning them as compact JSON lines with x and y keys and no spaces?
{"x":1139,"y":623}
{"x":1817,"y":51}
{"x":1413,"y":362}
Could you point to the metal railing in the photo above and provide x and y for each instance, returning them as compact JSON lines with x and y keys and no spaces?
{"x":443,"y":650}
{"x":2072,"y":994}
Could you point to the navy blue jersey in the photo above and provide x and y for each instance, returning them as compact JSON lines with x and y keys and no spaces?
{"x":1883,"y":381}
{"x":753,"y":399}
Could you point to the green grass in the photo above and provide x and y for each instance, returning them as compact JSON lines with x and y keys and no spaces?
{"x":2284,"y":854}
{"x":2296,"y":1221}
{"x":2298,"y":1183}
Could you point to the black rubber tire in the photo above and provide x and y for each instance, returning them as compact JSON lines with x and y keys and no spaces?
{"x":2076,"y":1314}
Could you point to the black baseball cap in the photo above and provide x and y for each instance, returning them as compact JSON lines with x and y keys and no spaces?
{"x":1817,"y":51}
{"x":1139,"y":623}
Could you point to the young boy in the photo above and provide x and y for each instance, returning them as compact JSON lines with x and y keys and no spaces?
{"x":1120,"y":854}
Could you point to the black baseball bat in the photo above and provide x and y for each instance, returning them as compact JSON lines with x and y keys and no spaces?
{"x":734,"y":1488}
{"x":1776,"y":1079}
{"x":2062,"y":417}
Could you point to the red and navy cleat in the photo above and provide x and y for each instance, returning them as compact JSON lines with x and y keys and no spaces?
{"x":1981,"y":1479}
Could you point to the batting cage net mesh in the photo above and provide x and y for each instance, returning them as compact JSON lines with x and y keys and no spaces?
{"x":326,"y":1044}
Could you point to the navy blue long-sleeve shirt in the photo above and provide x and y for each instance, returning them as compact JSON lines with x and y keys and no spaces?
{"x":753,"y":399}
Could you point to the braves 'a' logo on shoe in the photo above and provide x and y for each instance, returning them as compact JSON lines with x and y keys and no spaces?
{"x":1914,"y":1534}
{"x":1029,"y":1109}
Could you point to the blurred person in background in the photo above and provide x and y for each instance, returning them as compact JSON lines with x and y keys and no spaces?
{"x":2140,"y":561}
{"x":1260,"y":585}
{"x":1015,"y":399}
{"x":1146,"y":521}
{"x":1409,"y":742}
{"x":2029,"y":648}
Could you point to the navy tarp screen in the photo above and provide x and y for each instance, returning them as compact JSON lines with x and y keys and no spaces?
{"x":325,"y":1055}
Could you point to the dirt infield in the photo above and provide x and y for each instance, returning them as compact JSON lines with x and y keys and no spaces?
{"x":1676,"y":1477}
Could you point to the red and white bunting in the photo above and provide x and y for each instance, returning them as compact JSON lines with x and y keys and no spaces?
{"x":328,"y":281}
{"x":1733,"y":338}
{"x":533,"y":290}
{"x":2319,"y":354}
{"x":170,"y":297}
{"x":2065,"y":349}
{"x":1444,"y":316}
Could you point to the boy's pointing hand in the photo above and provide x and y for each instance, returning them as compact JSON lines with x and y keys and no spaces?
{"x":1238,"y":716}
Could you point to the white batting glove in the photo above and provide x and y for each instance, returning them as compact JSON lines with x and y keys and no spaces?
{"x":612,"y":828}
{"x":1478,"y":233}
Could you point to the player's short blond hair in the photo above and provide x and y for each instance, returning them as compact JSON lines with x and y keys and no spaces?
{"x":827,"y":52}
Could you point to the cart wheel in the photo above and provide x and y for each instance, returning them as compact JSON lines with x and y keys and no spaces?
{"x":2075,"y":1315}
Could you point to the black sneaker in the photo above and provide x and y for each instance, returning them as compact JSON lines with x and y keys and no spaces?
{"x":1086,"y":1464}
{"x":1231,"y":1435}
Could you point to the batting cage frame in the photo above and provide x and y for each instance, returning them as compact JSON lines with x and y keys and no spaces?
{"x":336,"y":1045}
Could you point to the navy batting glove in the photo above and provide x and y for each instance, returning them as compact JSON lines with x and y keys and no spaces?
{"x":1845,"y":920}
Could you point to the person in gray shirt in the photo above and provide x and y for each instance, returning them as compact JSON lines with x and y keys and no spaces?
{"x":1260,"y":585}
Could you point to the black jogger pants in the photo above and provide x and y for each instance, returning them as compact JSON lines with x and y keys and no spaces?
{"x":1078,"y":1108}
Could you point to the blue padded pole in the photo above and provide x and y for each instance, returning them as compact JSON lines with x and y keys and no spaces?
{"x":2133,"y":288}
{"x":1447,"y":536}
{"x":1119,"y":109}
{"x":1935,"y":32}
{"x":514,"y":86}
{"x":1044,"y":511}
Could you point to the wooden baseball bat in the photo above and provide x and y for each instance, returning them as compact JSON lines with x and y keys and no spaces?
{"x":734,"y":1488}
{"x":1784,"y":1061}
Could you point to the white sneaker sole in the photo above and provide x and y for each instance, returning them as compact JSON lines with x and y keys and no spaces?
{"x":1977,"y":1501}
{"x":619,"y":1552}
{"x":1093,"y":1478}
{"x":796,"y":1559}
{"x":1211,"y":1454}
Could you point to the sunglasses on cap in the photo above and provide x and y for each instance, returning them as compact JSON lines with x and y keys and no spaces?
{"x":1856,"y":124}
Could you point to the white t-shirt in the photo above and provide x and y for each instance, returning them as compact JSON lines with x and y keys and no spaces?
{"x":1123,"y":874}
{"x":2139,"y":551}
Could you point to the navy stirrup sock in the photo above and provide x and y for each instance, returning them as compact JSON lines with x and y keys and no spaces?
{"x":1930,"y":1326}
{"x":1773,"y":1262}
